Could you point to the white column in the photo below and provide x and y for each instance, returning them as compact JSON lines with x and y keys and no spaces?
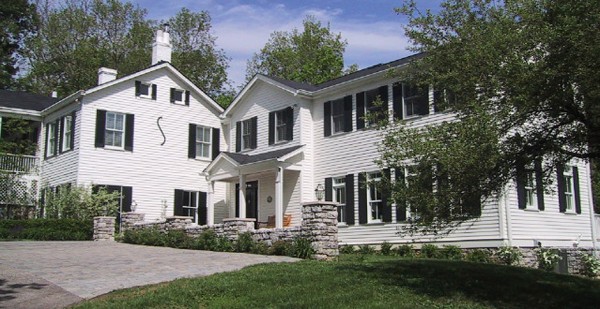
{"x":1,"y":126}
{"x":210,"y":204}
{"x":279,"y":198}
{"x":242,"y":196}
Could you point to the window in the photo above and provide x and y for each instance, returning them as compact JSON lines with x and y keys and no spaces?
{"x":281,"y":126}
{"x":337,"y":116}
{"x":203,"y":140}
{"x":374,"y":102}
{"x":190,"y":204}
{"x":67,"y":133}
{"x":411,"y":178}
{"x":416,"y":100}
{"x":530,"y":186}
{"x":145,"y":90}
{"x":374,"y":198}
{"x":114,"y":130}
{"x":51,"y":139}
{"x":339,"y":196}
{"x":530,"y":196}
{"x":245,"y":134}
{"x":179,"y":96}
{"x":568,"y":189}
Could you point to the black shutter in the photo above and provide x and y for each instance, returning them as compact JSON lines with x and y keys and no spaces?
{"x":237,"y":200}
{"x":56,"y":136}
{"x":576,"y":189}
{"x":383,"y":94}
{"x":438,"y":99}
{"x":254,"y":132}
{"x":348,"y":113}
{"x":387,"y":207}
{"x":61,"y":123}
{"x":192,"y":141}
{"x":72,"y":137}
{"x":153,"y":91}
{"x":238,"y":136}
{"x":397,"y":100}
{"x":172,"y":95}
{"x":271,"y":128}
{"x":127,"y":198}
{"x":539,"y":184}
{"x":138,"y":85}
{"x":216,"y":140}
{"x":473,"y":204}
{"x":100,"y":126}
{"x":46,"y":141}
{"x":362,"y":198}
{"x":187,"y":97}
{"x":400,"y":205}
{"x":129,"y":120}
{"x":202,"y":208}
{"x":562,"y":203}
{"x":349,"y":199}
{"x":521,"y":179}
{"x":289,"y":123}
{"x":360,"y":110}
{"x":328,"y":189}
{"x":327,"y":118}
{"x":178,"y":203}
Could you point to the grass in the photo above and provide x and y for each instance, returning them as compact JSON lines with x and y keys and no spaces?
{"x":369,"y":282}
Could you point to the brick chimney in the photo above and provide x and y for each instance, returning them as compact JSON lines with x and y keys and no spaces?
{"x":161,"y":48}
{"x":106,"y":75}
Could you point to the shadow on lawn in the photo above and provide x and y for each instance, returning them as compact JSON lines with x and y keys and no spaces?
{"x":494,"y":285}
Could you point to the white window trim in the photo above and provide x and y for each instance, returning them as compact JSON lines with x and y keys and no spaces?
{"x":66,"y":133}
{"x":339,"y":183}
{"x":407,"y":175}
{"x":530,"y":190}
{"x":334,"y":116}
{"x":209,"y":142}
{"x":182,"y":101}
{"x":246,"y":124}
{"x":149,"y":95}
{"x":569,"y":196}
{"x":51,"y":139}
{"x":106,"y":129}
{"x":372,"y":178}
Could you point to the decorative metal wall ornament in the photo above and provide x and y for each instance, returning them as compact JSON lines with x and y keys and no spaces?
{"x":161,"y":131}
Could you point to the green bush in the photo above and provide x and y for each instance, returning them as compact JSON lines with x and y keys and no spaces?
{"x":302,"y":248}
{"x":260,"y":248}
{"x":547,"y":258}
{"x":429,"y":251}
{"x":405,"y":251}
{"x":176,"y":239}
{"x":509,"y":255}
{"x":386,"y":248}
{"x":280,"y":247}
{"x":450,"y":252}
{"x":146,"y":236}
{"x":80,"y":203}
{"x":348,"y":249}
{"x":222,"y":244}
{"x":47,"y":229}
{"x":366,"y":250}
{"x":207,"y":240}
{"x":591,"y":265}
{"x":479,"y":256}
{"x":244,"y":243}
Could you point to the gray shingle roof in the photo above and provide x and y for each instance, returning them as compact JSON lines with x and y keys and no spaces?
{"x":244,"y":159}
{"x":25,"y":100}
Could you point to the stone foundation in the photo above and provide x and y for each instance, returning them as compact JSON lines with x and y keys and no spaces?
{"x":104,"y":228}
{"x":319,"y":223}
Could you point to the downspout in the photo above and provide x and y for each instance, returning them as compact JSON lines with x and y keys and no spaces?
{"x":591,"y":203}
{"x":508,"y":219}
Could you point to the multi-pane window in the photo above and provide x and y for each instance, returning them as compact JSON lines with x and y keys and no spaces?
{"x":280,"y":126}
{"x":176,"y":95}
{"x":374,"y":198}
{"x":530,"y":194}
{"x":51,"y":149}
{"x":247,"y":134}
{"x":67,"y":134}
{"x":568,"y":188}
{"x":337,"y":116}
{"x":115,"y":129}
{"x":144,"y":90}
{"x":411,"y":179}
{"x":203,"y":139}
{"x":189,"y":204}
{"x":416,"y":100}
{"x":339,"y":196}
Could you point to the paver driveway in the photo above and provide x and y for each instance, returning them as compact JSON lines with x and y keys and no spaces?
{"x":87,"y":269}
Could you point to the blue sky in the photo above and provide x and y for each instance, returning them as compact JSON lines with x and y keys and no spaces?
{"x":372,"y":29}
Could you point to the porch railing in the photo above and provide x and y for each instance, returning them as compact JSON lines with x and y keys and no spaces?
{"x":19,"y":163}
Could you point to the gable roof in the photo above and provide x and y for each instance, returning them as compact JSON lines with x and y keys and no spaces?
{"x":25,"y":100}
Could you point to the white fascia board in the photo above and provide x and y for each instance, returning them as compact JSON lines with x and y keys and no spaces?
{"x":62,"y":103}
{"x":23,"y":113}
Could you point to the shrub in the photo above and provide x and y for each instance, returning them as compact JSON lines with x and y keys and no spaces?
{"x":366,"y":250}
{"x":146,"y":236}
{"x":547,"y":258}
{"x":509,"y":255}
{"x":280,"y":247}
{"x":429,"y":251}
{"x":244,"y":243}
{"x":479,"y":256}
{"x":348,"y":249}
{"x":47,"y":229}
{"x":450,"y":252}
{"x":260,"y":248}
{"x":207,"y":240}
{"x":302,"y":248}
{"x":386,"y":248}
{"x":591,"y":265}
{"x":405,"y":251}
{"x":222,"y":244}
{"x":176,"y":239}
{"x":80,"y":203}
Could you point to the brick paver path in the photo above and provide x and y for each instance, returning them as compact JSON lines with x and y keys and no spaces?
{"x":89,"y":269}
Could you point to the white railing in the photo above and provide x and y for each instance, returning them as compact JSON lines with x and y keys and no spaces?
{"x":18,"y":163}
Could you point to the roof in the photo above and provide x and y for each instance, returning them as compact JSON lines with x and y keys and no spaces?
{"x":243,"y":159}
{"x":25,"y":100}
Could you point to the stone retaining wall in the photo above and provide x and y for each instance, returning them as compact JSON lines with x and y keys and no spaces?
{"x":104,"y":228}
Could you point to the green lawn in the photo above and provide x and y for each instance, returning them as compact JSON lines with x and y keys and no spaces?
{"x":372,"y":282}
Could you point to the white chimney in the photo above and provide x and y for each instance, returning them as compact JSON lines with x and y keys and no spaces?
{"x":54,"y":94}
{"x":106,"y":75}
{"x":161,"y":48}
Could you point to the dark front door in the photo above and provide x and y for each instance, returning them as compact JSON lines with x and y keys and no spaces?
{"x":251,"y":200}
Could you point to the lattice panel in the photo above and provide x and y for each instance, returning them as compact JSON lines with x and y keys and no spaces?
{"x":16,"y":192}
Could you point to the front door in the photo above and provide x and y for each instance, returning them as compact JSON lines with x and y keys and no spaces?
{"x":251,"y":200}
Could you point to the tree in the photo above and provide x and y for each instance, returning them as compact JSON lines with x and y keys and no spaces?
{"x":312,"y":56}
{"x":195,"y":52}
{"x":16,"y":23}
{"x":525,"y":70}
